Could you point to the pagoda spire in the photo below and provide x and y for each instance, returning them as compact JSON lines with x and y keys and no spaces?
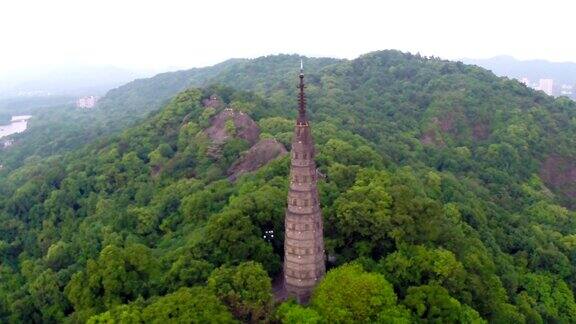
{"x":304,"y":255}
{"x":302,"y":119}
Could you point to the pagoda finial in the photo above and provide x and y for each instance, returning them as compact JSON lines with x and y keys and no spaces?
{"x":302,"y":97}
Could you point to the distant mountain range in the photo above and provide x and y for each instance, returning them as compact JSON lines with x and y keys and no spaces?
{"x":66,"y":81}
{"x":561,"y":72}
{"x":74,"y":81}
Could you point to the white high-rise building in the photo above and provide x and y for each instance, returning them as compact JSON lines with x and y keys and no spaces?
{"x":546,"y":85}
{"x":86,"y":102}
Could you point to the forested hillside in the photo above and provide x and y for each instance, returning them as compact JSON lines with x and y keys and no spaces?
{"x":62,"y":128}
{"x":449,"y":197}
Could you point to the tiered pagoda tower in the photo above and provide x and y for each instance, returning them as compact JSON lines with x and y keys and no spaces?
{"x":304,"y":256}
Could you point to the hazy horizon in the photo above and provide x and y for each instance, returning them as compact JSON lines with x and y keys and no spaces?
{"x":24,"y":73}
{"x":152,"y":36}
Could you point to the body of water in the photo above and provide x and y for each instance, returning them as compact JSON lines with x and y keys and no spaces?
{"x":17,"y":125}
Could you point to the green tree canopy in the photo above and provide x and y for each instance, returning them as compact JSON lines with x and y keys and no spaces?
{"x":246,"y":289}
{"x":349,"y":294}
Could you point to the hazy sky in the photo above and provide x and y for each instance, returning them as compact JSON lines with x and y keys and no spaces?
{"x":163,"y":34}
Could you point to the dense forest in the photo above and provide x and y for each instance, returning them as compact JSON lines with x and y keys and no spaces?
{"x":57,"y":127}
{"x":449,"y":196}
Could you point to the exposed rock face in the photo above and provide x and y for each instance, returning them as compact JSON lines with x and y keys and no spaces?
{"x":559,"y":173}
{"x":442,"y":125}
{"x":480,"y":131}
{"x":257,"y":156}
{"x":445,"y":122}
{"x":260,"y":153}
{"x":213,"y":102}
{"x":244,"y":126}
{"x":448,"y":123}
{"x":430,"y":138}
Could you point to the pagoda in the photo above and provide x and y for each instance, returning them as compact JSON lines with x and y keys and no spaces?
{"x":304,"y":256}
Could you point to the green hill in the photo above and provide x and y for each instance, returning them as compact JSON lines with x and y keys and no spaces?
{"x":62,"y":128}
{"x":449,"y":196}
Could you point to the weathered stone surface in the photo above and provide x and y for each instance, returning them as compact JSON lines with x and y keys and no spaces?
{"x":559,"y":173}
{"x":480,"y":131}
{"x":430,"y":138}
{"x":245,"y":127}
{"x":257,"y":156}
{"x":213,"y":102}
{"x":449,"y":124}
{"x":219,"y":130}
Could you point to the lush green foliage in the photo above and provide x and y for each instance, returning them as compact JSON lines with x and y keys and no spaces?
{"x":187,"y":305}
{"x":348,"y":294}
{"x":435,"y":202}
{"x":246,"y":289}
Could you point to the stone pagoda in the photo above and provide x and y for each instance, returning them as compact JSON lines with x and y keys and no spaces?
{"x":304,"y":256}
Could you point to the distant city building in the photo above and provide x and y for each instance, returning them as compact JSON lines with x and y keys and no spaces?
{"x":546,"y":85}
{"x":6,"y":143}
{"x":20,"y":118}
{"x":550,"y":87}
{"x":566,"y":90}
{"x":33,"y":93}
{"x":86,"y":102}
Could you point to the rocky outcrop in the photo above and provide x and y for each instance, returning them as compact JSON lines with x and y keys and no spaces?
{"x":480,"y":131}
{"x":449,"y":124}
{"x":430,"y":138}
{"x":212,"y":102}
{"x":445,"y":122}
{"x":244,"y":127}
{"x":257,"y":156}
{"x":231,"y":123}
{"x":439,"y":126}
{"x":559,"y":173}
{"x":227,"y":124}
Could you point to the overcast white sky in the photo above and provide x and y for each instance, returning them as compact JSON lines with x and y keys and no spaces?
{"x":162,"y":34}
